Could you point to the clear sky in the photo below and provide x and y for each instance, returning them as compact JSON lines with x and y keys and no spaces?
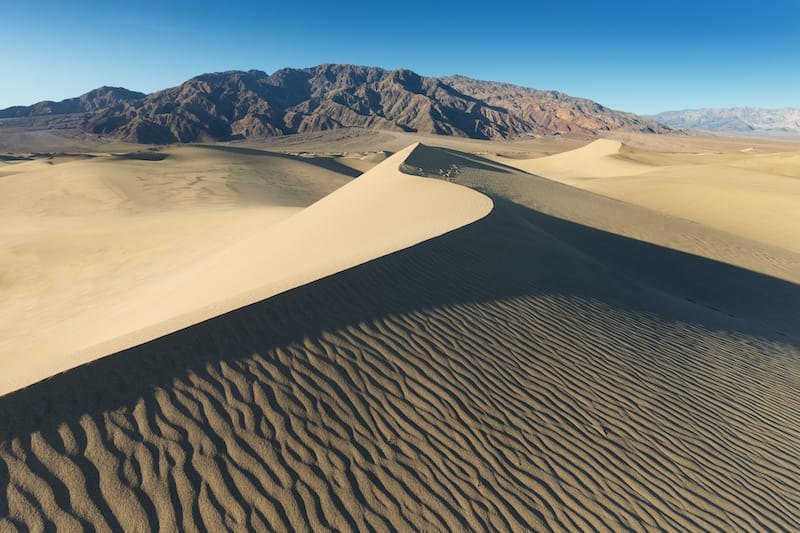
{"x":643,"y":56}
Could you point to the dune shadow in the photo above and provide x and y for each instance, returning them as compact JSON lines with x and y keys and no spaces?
{"x":143,"y":155}
{"x":513,"y":252}
{"x":428,"y":160}
{"x":328,"y":163}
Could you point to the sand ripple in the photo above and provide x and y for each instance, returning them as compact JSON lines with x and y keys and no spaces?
{"x":493,"y":378}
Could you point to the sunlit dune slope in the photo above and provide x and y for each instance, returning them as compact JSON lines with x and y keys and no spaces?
{"x":598,"y":159}
{"x":378,"y":213}
{"x":754,"y":197}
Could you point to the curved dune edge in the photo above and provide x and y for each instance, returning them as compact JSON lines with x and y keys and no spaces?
{"x":598,"y":159}
{"x":381,"y":212}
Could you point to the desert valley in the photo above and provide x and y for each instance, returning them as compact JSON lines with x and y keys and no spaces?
{"x":344,"y":298}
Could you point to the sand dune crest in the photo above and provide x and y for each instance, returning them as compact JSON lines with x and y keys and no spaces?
{"x":753,"y":197}
{"x":598,"y":159}
{"x":382,"y":211}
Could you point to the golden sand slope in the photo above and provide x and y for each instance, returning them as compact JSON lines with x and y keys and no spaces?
{"x":378,"y":213}
{"x":598,"y":159}
{"x":525,"y":372}
{"x":755,"y":196}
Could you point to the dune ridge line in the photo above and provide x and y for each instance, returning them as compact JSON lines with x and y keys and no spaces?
{"x":382,"y":211}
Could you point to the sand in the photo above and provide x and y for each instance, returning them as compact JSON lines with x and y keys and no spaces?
{"x":254,"y":257}
{"x":753,"y":197}
{"x":566,"y":362}
{"x":598,"y":159}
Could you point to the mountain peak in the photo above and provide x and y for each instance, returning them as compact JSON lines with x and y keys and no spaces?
{"x":92,"y":101}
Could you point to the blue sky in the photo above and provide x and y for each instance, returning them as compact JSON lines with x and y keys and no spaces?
{"x":639,"y":56}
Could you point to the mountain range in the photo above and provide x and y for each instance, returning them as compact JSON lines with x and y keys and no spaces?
{"x":741,"y":120}
{"x":95,"y":100}
{"x":253,"y":104}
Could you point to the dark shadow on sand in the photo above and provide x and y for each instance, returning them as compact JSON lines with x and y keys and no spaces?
{"x":326,"y":162}
{"x":143,"y":155}
{"x":513,"y":252}
{"x":430,"y":160}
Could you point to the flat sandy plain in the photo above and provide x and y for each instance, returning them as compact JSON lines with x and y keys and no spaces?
{"x":378,"y":331}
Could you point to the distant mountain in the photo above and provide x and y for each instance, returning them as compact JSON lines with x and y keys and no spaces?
{"x":95,"y":100}
{"x":552,"y":111}
{"x":252,"y":104}
{"x":752,"y":120}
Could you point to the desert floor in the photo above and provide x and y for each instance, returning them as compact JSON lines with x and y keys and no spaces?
{"x":358,"y":330}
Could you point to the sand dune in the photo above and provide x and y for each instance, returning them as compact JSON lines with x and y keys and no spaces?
{"x":378,"y":213}
{"x":598,"y":159}
{"x":781,"y":164}
{"x":754,"y":204}
{"x":754,"y":197}
{"x":555,"y":365}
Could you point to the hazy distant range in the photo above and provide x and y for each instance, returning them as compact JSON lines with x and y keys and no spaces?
{"x":783,"y":122}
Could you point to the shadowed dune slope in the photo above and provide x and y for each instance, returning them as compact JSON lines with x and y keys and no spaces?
{"x":525,"y":372}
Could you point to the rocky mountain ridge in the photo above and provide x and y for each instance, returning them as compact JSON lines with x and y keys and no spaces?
{"x":254,"y":104}
{"x":95,"y":100}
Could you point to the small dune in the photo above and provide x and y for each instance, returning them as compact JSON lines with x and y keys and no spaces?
{"x":754,"y":197}
{"x":598,"y":159}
